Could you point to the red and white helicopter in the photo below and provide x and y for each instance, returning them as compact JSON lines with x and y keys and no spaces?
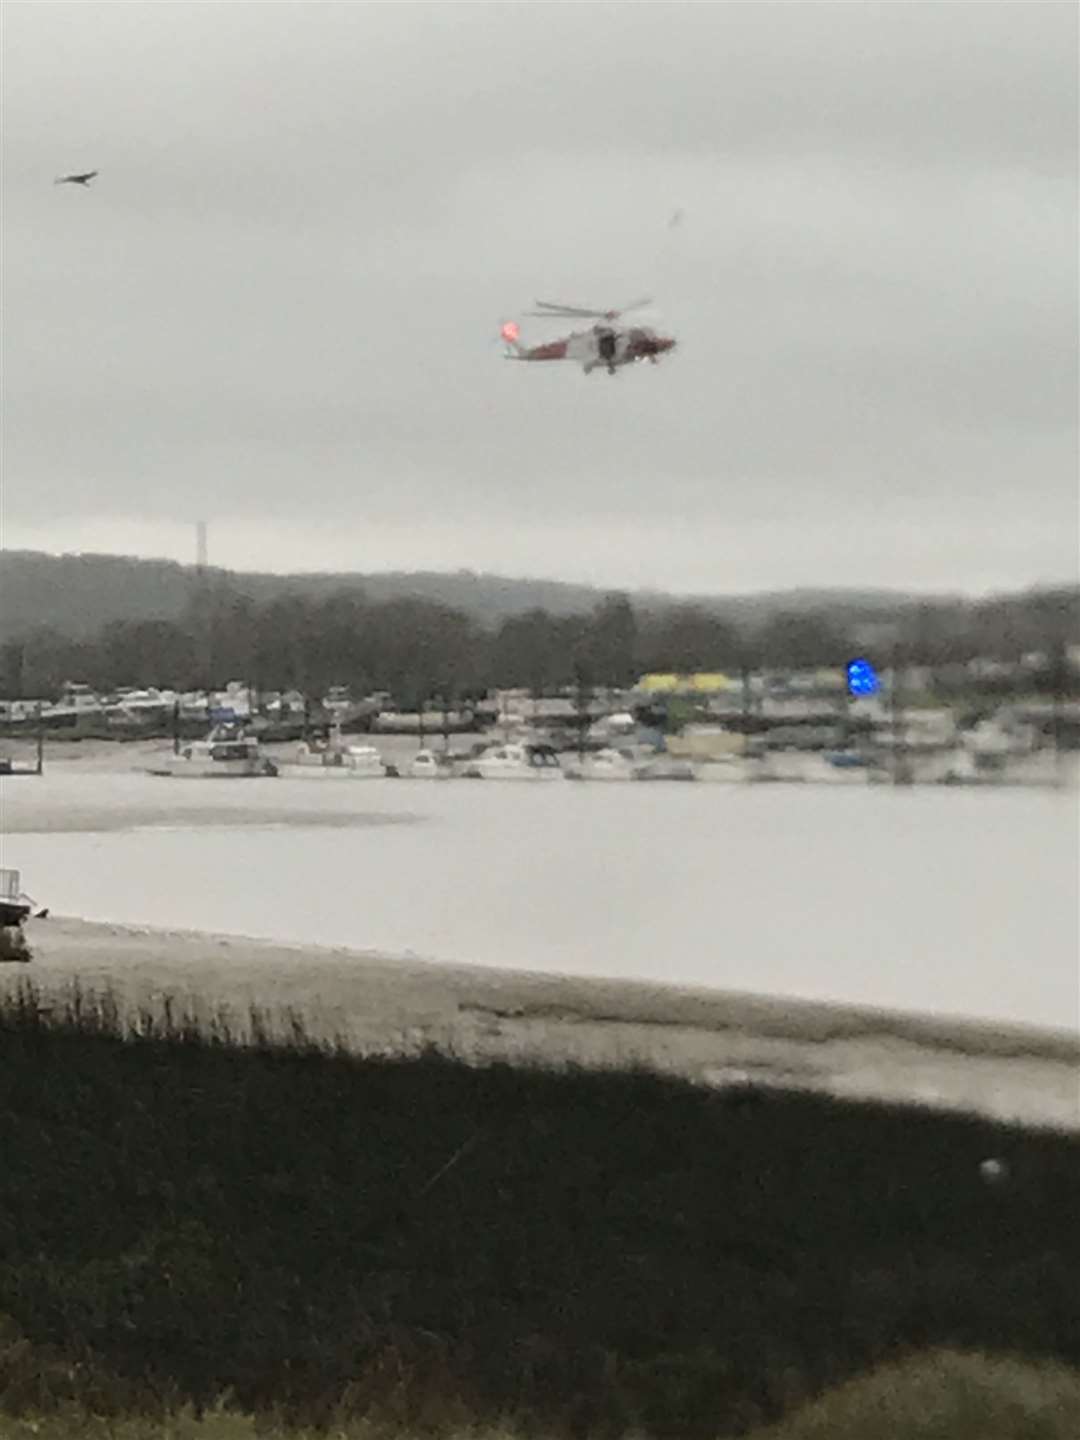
{"x":604,"y":344}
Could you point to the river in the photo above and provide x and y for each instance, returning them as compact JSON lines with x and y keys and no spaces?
{"x":934,"y":901}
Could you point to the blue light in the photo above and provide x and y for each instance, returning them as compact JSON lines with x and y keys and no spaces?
{"x":862,"y":678}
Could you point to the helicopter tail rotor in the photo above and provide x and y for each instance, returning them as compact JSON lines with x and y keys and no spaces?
{"x":509,"y":333}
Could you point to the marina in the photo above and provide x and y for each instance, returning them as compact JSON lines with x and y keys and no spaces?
{"x":796,"y":728}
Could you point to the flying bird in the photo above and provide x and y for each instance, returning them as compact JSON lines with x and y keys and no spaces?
{"x":83,"y":179}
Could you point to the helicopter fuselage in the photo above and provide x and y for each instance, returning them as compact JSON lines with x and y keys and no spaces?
{"x":601,"y":347}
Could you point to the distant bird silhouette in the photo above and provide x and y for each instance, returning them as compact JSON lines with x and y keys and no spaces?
{"x":75,"y":179}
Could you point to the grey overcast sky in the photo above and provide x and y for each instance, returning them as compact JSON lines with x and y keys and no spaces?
{"x":278,"y":307}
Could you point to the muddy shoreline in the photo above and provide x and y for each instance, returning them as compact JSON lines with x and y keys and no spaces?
{"x":376,"y":1003}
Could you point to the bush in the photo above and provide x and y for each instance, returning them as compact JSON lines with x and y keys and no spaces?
{"x":945,"y":1395}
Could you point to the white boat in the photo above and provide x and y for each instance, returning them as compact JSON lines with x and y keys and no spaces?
{"x":516,"y":762}
{"x":77,"y":704}
{"x":15,"y":906}
{"x":606,"y":764}
{"x":335,"y":760}
{"x":612,"y":727}
{"x":429,"y":765}
{"x":628,"y":762}
{"x":961,"y":767}
{"x":226,"y":753}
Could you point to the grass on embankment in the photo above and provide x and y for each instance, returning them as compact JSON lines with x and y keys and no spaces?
{"x":941,"y":1395}
{"x":428,"y":1245}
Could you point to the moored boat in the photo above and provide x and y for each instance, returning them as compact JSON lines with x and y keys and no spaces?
{"x":226,"y":753}
{"x":334,"y":760}
{"x":428,"y":765}
{"x":516,"y":762}
{"x":628,"y":762}
{"x":14,"y":905}
{"x":606,"y":764}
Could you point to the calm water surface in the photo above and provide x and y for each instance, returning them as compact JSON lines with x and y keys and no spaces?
{"x":943,"y":901}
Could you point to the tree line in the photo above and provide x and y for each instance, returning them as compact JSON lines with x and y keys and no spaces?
{"x":418,"y":649}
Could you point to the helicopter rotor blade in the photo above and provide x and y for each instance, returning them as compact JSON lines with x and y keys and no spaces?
{"x":548,"y":308}
{"x":560,"y":314}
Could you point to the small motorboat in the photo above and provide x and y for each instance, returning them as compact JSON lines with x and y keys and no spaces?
{"x":629,"y":762}
{"x":516,"y":762}
{"x":226,"y":753}
{"x":333,"y":758}
{"x":334,"y":761}
{"x":605,"y":764}
{"x":429,"y":765}
{"x":15,"y":907}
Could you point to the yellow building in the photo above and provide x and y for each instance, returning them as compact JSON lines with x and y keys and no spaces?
{"x":701,"y":683}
